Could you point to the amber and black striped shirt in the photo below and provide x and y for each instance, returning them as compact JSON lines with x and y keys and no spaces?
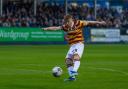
{"x":74,"y":35}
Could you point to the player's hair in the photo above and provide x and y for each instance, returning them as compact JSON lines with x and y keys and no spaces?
{"x":67,"y":17}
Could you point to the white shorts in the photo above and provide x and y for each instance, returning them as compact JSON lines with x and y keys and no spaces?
{"x":77,"y":48}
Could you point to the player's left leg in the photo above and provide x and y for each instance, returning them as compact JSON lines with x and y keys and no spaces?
{"x":76,"y":58}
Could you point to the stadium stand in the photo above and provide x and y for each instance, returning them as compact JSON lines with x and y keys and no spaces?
{"x":51,"y":14}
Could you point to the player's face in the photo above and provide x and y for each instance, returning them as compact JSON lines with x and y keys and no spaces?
{"x":69,"y":23}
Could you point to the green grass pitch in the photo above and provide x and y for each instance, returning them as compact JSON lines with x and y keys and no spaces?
{"x":29,"y":67}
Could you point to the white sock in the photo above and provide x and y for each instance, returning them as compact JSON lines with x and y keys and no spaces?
{"x":76,"y":65}
{"x":69,"y":70}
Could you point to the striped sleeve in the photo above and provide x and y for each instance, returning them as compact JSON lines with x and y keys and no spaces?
{"x":63,"y":27}
{"x":83,"y":23}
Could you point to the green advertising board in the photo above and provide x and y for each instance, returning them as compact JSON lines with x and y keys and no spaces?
{"x":29,"y":34}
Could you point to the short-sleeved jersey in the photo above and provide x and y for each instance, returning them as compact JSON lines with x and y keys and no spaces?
{"x":74,"y":34}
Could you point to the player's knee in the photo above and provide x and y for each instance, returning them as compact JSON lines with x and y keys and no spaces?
{"x":76,"y":57}
{"x":69,"y":62}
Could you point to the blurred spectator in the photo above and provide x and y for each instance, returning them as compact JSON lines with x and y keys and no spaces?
{"x":49,"y":15}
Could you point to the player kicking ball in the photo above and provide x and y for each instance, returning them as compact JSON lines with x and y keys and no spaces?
{"x":75,"y":39}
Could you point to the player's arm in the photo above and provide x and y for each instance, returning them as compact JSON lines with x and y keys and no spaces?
{"x":86,"y":23}
{"x":53,"y":28}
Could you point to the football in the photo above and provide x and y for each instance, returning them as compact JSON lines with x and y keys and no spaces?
{"x":57,"y":71}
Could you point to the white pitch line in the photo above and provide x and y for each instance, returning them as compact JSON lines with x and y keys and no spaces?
{"x":38,"y":65}
{"x":108,"y":69}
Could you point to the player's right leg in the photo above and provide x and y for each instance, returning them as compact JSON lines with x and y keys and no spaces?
{"x":69,"y":63}
{"x":73,"y":59}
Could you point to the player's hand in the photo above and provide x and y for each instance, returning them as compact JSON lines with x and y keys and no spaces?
{"x":44,"y":28}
